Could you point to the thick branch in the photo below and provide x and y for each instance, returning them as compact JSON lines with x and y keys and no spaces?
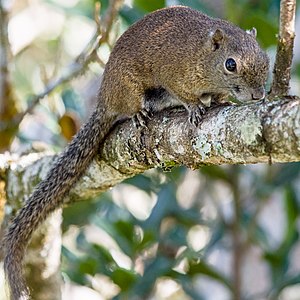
{"x":284,"y":54}
{"x":256,"y":133}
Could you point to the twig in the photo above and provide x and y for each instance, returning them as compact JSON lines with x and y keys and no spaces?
{"x":284,"y":55}
{"x":79,"y":66}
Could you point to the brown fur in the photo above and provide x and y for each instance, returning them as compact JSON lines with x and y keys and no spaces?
{"x":176,"y":52}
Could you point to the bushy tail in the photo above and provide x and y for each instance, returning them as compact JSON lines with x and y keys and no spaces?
{"x":49,"y":195}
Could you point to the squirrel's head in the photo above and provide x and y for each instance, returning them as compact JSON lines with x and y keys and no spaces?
{"x":241,"y":66}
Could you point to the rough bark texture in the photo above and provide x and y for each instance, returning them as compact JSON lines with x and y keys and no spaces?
{"x":256,"y":133}
{"x":284,"y":54}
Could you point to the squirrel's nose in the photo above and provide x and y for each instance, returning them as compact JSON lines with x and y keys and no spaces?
{"x":258,"y":94}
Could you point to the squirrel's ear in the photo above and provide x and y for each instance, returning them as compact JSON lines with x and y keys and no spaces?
{"x":252,"y":32}
{"x":217,"y":39}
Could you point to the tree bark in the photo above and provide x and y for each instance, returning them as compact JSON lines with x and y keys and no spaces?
{"x":284,"y":53}
{"x":262,"y":132}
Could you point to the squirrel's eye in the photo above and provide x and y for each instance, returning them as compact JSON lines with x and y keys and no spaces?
{"x":230,"y":65}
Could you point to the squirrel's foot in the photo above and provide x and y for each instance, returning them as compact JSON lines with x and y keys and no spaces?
{"x":141,"y":118}
{"x":196,"y":111}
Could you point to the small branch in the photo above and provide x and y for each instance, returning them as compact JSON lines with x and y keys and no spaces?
{"x":284,"y":55}
{"x":81,"y":63}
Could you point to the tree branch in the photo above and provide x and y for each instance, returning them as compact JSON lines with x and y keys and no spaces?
{"x":284,"y":53}
{"x":255,"y":133}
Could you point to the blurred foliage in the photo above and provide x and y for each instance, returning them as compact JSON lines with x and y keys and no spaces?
{"x":187,"y":240}
{"x":161,"y":244}
{"x":262,"y":15}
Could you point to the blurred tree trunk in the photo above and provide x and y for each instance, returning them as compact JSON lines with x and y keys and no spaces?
{"x":8,"y":108}
{"x":284,"y":53}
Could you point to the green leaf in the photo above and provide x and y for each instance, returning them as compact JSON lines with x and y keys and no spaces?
{"x":148,"y":240}
{"x":125,"y":229}
{"x":115,"y":231}
{"x":148,"y":6}
{"x":266,"y":28}
{"x":78,"y":213}
{"x":88,"y":265}
{"x":124,"y":278}
{"x":216,"y":172}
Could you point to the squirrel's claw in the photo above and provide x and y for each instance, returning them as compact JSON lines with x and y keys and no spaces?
{"x":141,"y":118}
{"x":195,"y":114}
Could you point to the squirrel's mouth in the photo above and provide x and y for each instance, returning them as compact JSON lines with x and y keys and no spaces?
{"x":258,"y":93}
{"x":249,"y":94}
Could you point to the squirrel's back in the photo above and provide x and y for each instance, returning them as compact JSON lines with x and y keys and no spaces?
{"x":174,"y":48}
{"x":165,"y":32}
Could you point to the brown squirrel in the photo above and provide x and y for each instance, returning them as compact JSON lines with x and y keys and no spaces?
{"x":176,"y":51}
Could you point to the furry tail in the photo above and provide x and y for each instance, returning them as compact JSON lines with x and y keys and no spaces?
{"x":49,"y":195}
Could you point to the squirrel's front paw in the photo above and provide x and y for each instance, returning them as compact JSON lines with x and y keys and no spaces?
{"x":140,"y":119}
{"x":196,"y":112}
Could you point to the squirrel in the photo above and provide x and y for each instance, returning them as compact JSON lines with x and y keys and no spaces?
{"x":178,"y":54}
